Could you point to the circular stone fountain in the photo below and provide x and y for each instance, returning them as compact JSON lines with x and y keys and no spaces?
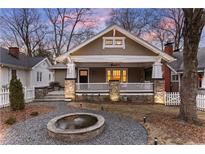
{"x":75,"y":126}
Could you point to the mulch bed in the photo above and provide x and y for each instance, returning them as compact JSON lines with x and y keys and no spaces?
{"x":177,"y":132}
{"x":5,"y":113}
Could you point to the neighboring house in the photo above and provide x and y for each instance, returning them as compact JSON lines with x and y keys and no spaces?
{"x":174,"y":70}
{"x":32,"y":71}
{"x":113,"y":54}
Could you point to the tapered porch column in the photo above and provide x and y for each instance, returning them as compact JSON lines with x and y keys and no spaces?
{"x":70,"y":82}
{"x":159,"y":84}
{"x":203,"y":81}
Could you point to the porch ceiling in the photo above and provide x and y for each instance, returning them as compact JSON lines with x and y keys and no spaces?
{"x":114,"y":65}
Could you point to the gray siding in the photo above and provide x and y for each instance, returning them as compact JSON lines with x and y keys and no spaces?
{"x":97,"y":75}
{"x":60,"y":76}
{"x":136,"y":75}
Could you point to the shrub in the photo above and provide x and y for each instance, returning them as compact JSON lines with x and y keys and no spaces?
{"x":16,"y":96}
{"x":10,"y":121}
{"x":34,"y":114}
{"x":54,"y":84}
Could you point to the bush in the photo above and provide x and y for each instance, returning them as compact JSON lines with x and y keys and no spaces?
{"x":10,"y":121}
{"x":34,"y":114}
{"x":54,"y":84}
{"x":16,"y":96}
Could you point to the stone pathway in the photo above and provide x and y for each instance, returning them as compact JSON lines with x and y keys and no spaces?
{"x":118,"y":130}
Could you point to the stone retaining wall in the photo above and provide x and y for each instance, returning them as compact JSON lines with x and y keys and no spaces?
{"x":147,"y":99}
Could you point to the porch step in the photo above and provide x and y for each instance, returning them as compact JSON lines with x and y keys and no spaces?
{"x":49,"y":100}
{"x":54,"y":97}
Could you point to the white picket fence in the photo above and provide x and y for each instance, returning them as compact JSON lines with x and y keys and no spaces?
{"x":173,"y":98}
{"x":29,"y":95}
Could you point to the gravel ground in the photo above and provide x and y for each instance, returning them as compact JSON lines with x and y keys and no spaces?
{"x":118,"y":130}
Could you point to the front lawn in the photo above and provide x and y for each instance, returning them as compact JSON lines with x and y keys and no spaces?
{"x":161,"y":122}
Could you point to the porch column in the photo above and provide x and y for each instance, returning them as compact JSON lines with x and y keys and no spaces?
{"x":70,"y":82}
{"x":114,"y":90}
{"x":203,"y":81}
{"x":159,"y":84}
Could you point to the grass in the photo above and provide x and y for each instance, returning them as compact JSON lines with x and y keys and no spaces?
{"x":161,"y":121}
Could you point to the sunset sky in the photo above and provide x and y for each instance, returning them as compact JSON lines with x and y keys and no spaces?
{"x":102,"y":15}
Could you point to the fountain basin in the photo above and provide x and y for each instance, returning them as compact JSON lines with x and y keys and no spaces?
{"x":75,"y":126}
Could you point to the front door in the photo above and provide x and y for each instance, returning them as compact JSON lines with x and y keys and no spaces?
{"x":83,"y":76}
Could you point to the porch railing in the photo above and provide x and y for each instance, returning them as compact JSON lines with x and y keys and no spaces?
{"x":136,"y":87}
{"x":92,"y":87}
{"x":124,"y":87}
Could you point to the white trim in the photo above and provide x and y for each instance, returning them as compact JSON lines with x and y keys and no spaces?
{"x":113,"y":40}
{"x":171,"y":68}
{"x":45,"y":59}
{"x":174,"y":74}
{"x":88,"y":69}
{"x":114,"y":58}
{"x":165,"y":56}
{"x":179,"y":78}
{"x":136,"y":94}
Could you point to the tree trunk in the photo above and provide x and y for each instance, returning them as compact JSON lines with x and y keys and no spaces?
{"x":193,"y":25}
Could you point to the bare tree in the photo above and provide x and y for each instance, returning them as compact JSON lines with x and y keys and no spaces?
{"x":133,"y":20}
{"x":66,"y":23}
{"x":194,"y":20}
{"x":25,"y":26}
{"x":57,"y":19}
{"x":167,"y":25}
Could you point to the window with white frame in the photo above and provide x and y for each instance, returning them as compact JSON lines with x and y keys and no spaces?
{"x":39,"y":76}
{"x":174,"y":77}
{"x":113,"y":42}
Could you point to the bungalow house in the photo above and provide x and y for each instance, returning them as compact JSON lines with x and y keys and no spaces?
{"x":114,"y":63}
{"x":32,"y":71}
{"x":173,"y":71}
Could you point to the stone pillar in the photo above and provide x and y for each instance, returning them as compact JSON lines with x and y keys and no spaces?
{"x":114,"y":87}
{"x":69,"y":89}
{"x":70,"y":82}
{"x":159,"y":91}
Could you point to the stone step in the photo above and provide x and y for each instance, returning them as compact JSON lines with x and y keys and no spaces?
{"x":49,"y":100}
{"x":54,"y":97}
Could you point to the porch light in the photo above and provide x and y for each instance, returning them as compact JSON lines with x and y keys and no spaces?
{"x":145,"y":119}
{"x":155,"y":141}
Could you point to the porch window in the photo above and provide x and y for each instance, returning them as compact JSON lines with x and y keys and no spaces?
{"x":124,"y":76}
{"x":117,"y":74}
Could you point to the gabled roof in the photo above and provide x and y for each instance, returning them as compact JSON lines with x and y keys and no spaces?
{"x":178,"y":65}
{"x":147,"y":45}
{"x":22,"y":61}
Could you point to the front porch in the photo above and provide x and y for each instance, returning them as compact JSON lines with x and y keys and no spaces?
{"x":134,"y":81}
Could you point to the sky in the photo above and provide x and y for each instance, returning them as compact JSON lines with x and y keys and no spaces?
{"x":102,"y":15}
